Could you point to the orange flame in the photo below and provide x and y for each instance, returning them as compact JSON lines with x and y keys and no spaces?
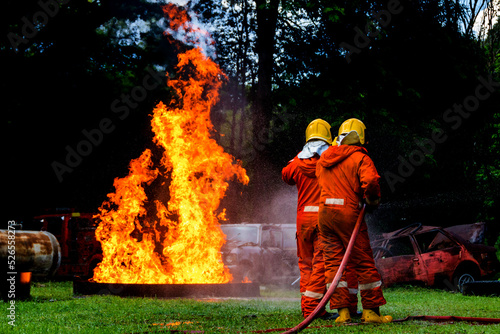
{"x":178,"y":18}
{"x":148,"y":240}
{"x":246,"y":280}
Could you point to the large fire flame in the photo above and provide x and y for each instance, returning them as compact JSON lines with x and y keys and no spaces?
{"x":178,"y":240}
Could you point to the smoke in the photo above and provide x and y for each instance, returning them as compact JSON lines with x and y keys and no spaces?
{"x":192,"y":32}
{"x":279,"y":206}
{"x":375,"y":230}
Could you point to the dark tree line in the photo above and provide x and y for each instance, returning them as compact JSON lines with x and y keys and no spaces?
{"x":411,"y":70}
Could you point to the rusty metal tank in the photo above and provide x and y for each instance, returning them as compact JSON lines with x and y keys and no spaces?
{"x":37,"y":252}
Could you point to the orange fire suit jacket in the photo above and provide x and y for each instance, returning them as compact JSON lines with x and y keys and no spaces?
{"x":349,"y":182}
{"x":302,"y":172}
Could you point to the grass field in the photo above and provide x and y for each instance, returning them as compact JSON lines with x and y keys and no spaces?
{"x":54,"y":309}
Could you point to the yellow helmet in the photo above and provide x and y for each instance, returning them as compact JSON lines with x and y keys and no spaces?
{"x":319,"y":129}
{"x":356,"y":125}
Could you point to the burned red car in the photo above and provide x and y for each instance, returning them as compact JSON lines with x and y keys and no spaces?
{"x":434,"y":256}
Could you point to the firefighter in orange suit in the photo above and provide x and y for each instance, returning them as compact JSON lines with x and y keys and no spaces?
{"x":300,"y":171}
{"x":347,"y":176}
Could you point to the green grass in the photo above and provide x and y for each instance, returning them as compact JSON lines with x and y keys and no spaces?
{"x":54,"y":309}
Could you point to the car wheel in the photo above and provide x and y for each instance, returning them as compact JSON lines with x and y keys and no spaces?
{"x":461,"y":278}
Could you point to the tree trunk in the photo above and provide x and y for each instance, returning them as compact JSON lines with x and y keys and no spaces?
{"x":267,"y":17}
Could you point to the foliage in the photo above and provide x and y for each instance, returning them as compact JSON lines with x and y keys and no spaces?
{"x":64,"y":80}
{"x":400,"y":69}
{"x":488,"y":175}
{"x":402,"y":84}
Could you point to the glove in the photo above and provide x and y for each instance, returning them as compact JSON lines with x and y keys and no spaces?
{"x":372,"y":204}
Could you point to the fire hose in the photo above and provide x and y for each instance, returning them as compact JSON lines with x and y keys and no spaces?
{"x":336,"y":279}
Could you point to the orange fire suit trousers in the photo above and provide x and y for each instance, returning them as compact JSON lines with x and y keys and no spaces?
{"x":335,"y":228}
{"x":311,"y":265}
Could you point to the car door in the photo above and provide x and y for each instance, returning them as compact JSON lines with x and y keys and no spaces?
{"x":440,"y":254}
{"x":398,"y":262}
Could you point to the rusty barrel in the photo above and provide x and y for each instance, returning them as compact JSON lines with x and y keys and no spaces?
{"x":37,"y":252}
{"x":23,"y":254}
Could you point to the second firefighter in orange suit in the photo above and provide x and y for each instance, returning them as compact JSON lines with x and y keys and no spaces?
{"x":300,"y":171}
{"x":347,"y":176}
